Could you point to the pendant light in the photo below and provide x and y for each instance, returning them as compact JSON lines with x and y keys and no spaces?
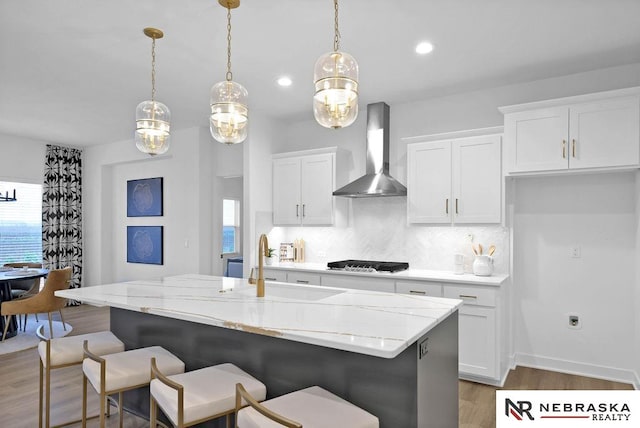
{"x":152,"y":117}
{"x":229,"y":112}
{"x":335,"y":103}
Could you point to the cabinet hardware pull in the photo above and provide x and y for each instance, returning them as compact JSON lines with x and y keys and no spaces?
{"x":301,"y":281}
{"x":564,"y":149}
{"x":456,"y":205}
{"x":303,"y":214}
{"x":573,"y":148}
{"x":446,"y":206}
{"x":417,"y":292}
{"x":270,"y":279}
{"x":467,"y":296}
{"x":297,"y":215}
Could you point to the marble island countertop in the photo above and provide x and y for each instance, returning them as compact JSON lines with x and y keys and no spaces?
{"x":366,"y":322}
{"x":409,"y":274}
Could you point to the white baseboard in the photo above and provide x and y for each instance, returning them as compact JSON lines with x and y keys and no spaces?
{"x":576,"y":368}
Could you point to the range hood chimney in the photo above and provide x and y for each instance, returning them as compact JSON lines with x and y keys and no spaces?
{"x":377,"y":181}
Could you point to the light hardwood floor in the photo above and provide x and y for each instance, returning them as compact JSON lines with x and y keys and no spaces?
{"x":19,"y":385}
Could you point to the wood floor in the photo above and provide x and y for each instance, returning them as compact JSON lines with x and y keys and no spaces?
{"x":19,"y":385}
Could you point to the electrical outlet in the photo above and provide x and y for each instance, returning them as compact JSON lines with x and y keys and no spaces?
{"x":470,"y":237}
{"x":574,"y":252}
{"x":574,"y":321}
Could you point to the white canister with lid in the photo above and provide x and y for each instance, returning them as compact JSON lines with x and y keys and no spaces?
{"x":483,"y":265}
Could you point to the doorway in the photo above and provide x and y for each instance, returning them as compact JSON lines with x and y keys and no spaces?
{"x":228,"y":227}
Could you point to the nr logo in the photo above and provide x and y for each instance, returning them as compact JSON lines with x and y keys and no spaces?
{"x":518,"y":409}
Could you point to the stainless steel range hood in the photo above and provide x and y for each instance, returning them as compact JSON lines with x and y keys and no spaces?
{"x":377,"y":181}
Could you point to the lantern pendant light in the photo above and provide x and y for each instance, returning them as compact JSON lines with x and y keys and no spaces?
{"x":229,"y":112}
{"x":152,"y":117}
{"x":335,"y":103}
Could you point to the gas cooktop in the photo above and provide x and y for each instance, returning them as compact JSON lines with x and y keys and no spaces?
{"x":367,"y":266}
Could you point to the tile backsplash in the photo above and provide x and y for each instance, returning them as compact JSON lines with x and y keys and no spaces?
{"x":377,"y":230}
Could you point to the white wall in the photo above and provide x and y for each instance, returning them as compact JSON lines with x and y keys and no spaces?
{"x":597,"y":213}
{"x":22,"y":159}
{"x":637,"y":287}
{"x":257,"y":212}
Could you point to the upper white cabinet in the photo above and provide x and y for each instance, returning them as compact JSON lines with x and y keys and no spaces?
{"x":455,"y":180}
{"x":303,"y":189}
{"x":602,"y":131}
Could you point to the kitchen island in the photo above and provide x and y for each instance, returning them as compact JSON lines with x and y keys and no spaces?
{"x":395,"y":356}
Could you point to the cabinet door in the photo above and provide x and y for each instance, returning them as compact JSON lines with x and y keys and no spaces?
{"x":537,"y":140}
{"x":305,"y":278}
{"x":316,"y":183}
{"x":605,"y":133}
{"x":275,"y":275}
{"x":476,"y":180}
{"x":429,"y":182}
{"x":286,"y":191}
{"x":477,"y":341}
{"x":419,"y":288}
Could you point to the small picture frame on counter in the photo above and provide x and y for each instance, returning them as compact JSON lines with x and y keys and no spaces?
{"x":287,"y":254}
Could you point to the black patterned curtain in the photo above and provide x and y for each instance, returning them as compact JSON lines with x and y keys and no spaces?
{"x":62,"y":211}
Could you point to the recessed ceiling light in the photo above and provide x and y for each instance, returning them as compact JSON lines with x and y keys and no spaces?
{"x":424,"y":48}
{"x":284,"y":81}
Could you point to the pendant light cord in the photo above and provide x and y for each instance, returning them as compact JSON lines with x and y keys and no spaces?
{"x":336,"y":40}
{"x":153,"y":69}
{"x":229,"y":74}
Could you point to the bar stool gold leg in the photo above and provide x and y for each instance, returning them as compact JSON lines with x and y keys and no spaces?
{"x":40,"y":396}
{"x":120,"y":412}
{"x":47,"y":383}
{"x":84,"y":401}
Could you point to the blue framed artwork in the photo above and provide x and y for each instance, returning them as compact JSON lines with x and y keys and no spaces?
{"x":144,"y":244}
{"x":144,"y":197}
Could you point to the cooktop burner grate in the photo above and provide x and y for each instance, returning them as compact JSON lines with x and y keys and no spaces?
{"x":368,"y":266}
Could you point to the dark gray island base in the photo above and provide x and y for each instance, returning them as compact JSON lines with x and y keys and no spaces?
{"x":417,"y":389}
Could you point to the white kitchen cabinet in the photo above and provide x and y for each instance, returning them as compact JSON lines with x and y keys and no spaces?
{"x":303,"y":189}
{"x":275,"y":275}
{"x":455,"y":180}
{"x":306,"y":278}
{"x":478,"y":327}
{"x":419,"y":288}
{"x":601,"y":133}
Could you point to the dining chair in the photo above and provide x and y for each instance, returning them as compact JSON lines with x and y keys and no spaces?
{"x":23,"y":288}
{"x":44,"y":301}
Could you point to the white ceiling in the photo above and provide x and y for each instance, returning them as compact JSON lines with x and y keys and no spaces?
{"x":73,"y":71}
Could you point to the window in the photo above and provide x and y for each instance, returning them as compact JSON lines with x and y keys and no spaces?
{"x":230,"y":226}
{"x":21,"y":223}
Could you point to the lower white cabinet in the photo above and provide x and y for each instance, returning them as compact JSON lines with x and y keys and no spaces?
{"x":275,"y":275}
{"x":305,"y":278}
{"x":478,"y":331}
{"x":419,"y":288}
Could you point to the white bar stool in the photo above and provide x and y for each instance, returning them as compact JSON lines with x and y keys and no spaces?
{"x":311,"y":407}
{"x":116,"y":373}
{"x":64,"y":352}
{"x":202,"y":395}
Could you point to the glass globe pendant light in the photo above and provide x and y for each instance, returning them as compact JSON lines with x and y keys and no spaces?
{"x":229,"y":112}
{"x":335,"y":103}
{"x":152,"y":117}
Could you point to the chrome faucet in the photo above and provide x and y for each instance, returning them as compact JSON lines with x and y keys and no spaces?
{"x":263,"y":251}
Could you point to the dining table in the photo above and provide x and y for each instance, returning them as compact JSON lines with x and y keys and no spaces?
{"x":7,"y":276}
